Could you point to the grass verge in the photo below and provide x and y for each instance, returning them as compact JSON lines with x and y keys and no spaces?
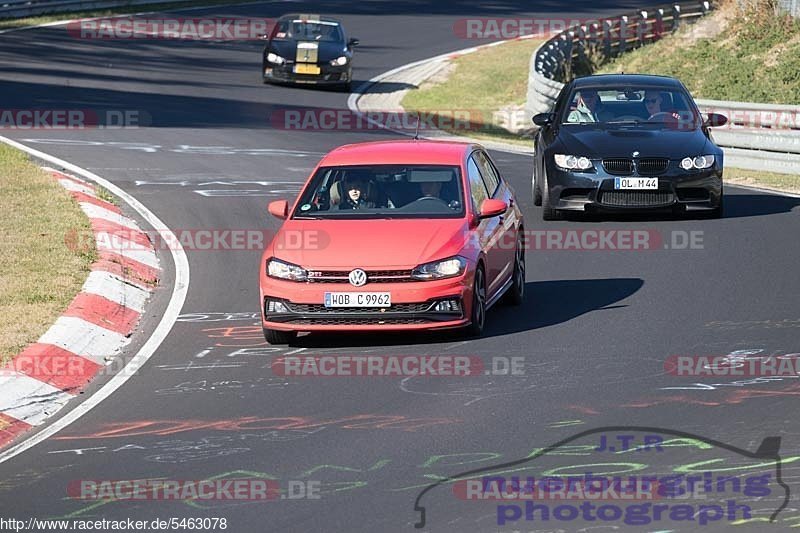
{"x":39,"y":273}
{"x":483,"y":83}
{"x":6,"y":24}
{"x":755,"y":58}
{"x":765,"y":180}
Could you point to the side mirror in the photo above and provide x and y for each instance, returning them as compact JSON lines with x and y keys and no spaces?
{"x":353,"y":42}
{"x":543,"y":119}
{"x":279,"y":208}
{"x":491,"y":208}
{"x":715,"y":120}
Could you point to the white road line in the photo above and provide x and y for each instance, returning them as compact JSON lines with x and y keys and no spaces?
{"x":171,"y":313}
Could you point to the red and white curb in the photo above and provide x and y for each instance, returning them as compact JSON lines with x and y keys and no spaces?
{"x":95,"y":327}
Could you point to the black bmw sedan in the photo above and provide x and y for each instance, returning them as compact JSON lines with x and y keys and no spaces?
{"x":308,"y":49}
{"x":626,"y":142}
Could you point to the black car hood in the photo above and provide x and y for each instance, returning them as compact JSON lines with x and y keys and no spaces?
{"x":597,"y":142}
{"x":328,"y":50}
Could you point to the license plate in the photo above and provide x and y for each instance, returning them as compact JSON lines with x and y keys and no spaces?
{"x":358,"y":299}
{"x":636,"y":183}
{"x":306,"y":69}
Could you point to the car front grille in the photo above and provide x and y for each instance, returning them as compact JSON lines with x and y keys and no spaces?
{"x":618,"y":166}
{"x":359,"y":321}
{"x":373,"y":276}
{"x":636,"y":198}
{"x":394,"y":308}
{"x":651,"y":166}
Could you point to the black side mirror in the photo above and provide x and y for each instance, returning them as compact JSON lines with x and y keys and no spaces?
{"x":543,"y":119}
{"x":353,"y":42}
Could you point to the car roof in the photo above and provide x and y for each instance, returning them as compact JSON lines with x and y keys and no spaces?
{"x":308,"y":17}
{"x":399,"y":152}
{"x":616,"y":80}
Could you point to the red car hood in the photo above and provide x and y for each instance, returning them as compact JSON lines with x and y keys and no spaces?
{"x":376,"y":244}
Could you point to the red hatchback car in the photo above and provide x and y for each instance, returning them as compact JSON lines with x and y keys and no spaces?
{"x":397,"y":235}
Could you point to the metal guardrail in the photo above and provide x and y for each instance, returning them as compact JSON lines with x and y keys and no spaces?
{"x":28,"y":8}
{"x":758,"y":137}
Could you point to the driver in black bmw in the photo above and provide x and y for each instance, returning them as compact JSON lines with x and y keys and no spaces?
{"x":308,"y":49}
{"x":626,"y":142}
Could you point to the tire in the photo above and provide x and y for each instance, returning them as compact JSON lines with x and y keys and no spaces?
{"x":537,"y":191}
{"x":548,"y":212}
{"x":273,"y":336}
{"x":478,"y":312}
{"x":516,"y":293}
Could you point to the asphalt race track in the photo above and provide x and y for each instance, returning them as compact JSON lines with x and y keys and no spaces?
{"x":594,"y":332}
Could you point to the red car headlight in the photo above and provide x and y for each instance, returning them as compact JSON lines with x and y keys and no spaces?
{"x":445,"y":268}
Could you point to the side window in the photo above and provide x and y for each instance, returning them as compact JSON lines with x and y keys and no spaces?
{"x":490,"y":177}
{"x":476,"y":186}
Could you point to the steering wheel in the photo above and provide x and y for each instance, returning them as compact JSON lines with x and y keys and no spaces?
{"x":628,"y":117}
{"x":661,"y":116}
{"x":431,"y":198}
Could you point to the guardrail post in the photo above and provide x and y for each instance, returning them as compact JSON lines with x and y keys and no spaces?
{"x":658,"y":27}
{"x":623,"y":34}
{"x":676,"y":17}
{"x":641,"y":27}
{"x":607,"y":38}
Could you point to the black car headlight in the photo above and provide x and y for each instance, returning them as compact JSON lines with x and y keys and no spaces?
{"x":699,"y":162}
{"x":572,"y":162}
{"x":445,"y":268}
{"x":283,"y":270}
{"x":340,"y":61}
{"x":275,"y":58}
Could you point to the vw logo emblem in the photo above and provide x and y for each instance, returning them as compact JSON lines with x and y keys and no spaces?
{"x":635,"y":154}
{"x":357,"y":277}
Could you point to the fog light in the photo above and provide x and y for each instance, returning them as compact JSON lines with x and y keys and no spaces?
{"x":448,"y":306}
{"x":267,"y":71}
{"x":276,"y":307}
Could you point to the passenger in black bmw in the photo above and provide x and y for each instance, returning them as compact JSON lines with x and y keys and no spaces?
{"x":622,"y":159}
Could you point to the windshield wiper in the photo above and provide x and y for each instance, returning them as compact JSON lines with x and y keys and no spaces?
{"x":624,"y":122}
{"x":307,"y":217}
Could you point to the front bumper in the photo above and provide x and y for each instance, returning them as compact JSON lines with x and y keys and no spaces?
{"x":696,"y":190}
{"x":412,"y":308}
{"x":329,"y":75}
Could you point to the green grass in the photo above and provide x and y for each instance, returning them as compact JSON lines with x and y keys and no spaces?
{"x":760,"y":178}
{"x":482,"y":83}
{"x":755,"y":59}
{"x":44,"y":19}
{"x":39,"y":272}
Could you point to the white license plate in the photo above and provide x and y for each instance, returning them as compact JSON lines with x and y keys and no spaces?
{"x":636,"y":183}
{"x":358,"y":299}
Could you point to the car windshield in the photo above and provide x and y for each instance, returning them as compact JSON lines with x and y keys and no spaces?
{"x":308,"y":30}
{"x":383,"y":191}
{"x":630,"y":106}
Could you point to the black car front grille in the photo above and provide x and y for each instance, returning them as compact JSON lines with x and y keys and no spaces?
{"x":636,"y":198}
{"x":373,"y":276}
{"x":394,"y":308}
{"x":618,"y":166}
{"x":651,"y":166}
